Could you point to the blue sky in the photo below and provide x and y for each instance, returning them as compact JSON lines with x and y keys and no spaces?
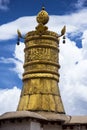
{"x":73,"y":55}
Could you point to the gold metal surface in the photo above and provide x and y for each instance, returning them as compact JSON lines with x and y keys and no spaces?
{"x":40,"y":90}
{"x":42,"y":16}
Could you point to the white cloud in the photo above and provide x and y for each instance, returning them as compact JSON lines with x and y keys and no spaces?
{"x":4,"y":4}
{"x":73,"y":60}
{"x":6,"y":60}
{"x":19,"y":59}
{"x":9,"y":103}
{"x":75,"y":22}
{"x":80,"y":3}
{"x":9,"y":30}
{"x":19,"y":52}
{"x":73,"y":80}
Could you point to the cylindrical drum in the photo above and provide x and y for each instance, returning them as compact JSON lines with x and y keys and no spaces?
{"x":40,"y":79}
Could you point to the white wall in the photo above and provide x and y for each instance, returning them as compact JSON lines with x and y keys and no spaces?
{"x":52,"y":127}
{"x":33,"y":125}
{"x":24,"y":125}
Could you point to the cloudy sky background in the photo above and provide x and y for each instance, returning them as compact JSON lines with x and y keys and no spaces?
{"x":73,"y":55}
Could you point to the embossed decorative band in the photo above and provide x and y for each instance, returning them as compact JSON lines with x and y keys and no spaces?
{"x":41,"y":46}
{"x":29,"y":38}
{"x":42,"y":62}
{"x":41,"y":75}
{"x":49,"y":33}
{"x":40,"y":71}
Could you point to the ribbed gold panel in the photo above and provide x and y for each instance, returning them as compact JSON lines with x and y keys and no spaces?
{"x":40,"y":79}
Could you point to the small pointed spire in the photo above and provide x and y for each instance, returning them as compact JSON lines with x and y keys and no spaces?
{"x":43,"y":8}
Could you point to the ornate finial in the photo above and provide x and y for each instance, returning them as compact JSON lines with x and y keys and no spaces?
{"x":63,"y":31}
{"x":42,"y":17}
{"x":19,"y":36}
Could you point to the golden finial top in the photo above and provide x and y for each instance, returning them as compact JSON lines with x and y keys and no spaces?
{"x":42,"y":17}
